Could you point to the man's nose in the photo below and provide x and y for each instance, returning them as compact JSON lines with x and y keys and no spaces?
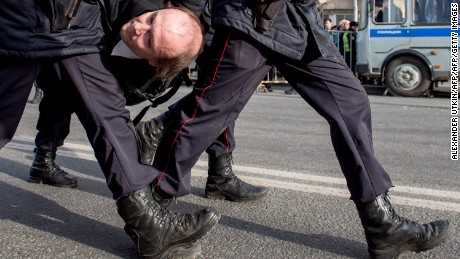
{"x":140,"y":28}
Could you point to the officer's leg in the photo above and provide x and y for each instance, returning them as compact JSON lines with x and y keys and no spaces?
{"x":101,"y":109}
{"x":56,"y":109}
{"x":234,"y":69}
{"x":17,"y":78}
{"x":53,"y":127}
{"x":328,"y":85}
{"x":332,"y":89}
{"x":222,"y":183}
{"x":224,"y":143}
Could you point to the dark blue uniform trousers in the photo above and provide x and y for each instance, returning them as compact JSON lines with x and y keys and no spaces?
{"x":236,"y":65}
{"x":53,"y":124}
{"x":16,"y":79}
{"x":99,"y":104}
{"x":224,"y":144}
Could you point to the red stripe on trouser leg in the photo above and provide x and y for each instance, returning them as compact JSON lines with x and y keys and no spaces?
{"x":226,"y":139}
{"x":194,"y":113}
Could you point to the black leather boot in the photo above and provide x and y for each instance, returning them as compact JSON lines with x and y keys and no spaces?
{"x":37,"y":96}
{"x":389,"y":235}
{"x":159,"y":233}
{"x":222,"y":183}
{"x":149,"y":134}
{"x":46,"y":171}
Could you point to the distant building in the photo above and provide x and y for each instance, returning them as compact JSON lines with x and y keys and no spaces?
{"x":337,"y":10}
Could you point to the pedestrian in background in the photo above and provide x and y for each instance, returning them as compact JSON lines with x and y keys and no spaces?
{"x":347,"y":44}
{"x":328,"y":24}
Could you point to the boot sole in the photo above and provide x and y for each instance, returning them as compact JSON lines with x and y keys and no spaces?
{"x":219,"y":195}
{"x":190,"y":251}
{"x":396,"y":252}
{"x":39,"y":180}
{"x":187,"y":252}
{"x":180,"y":247}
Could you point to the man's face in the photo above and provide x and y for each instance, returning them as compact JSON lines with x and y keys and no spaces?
{"x":158,"y":34}
{"x":328,"y":24}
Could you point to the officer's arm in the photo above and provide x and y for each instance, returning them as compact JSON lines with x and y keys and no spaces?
{"x":121,"y":11}
{"x":196,"y":6}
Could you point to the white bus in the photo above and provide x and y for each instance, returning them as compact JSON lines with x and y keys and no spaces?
{"x":406,"y":43}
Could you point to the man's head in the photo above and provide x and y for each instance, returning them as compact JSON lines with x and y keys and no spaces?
{"x":341,"y":24}
{"x":328,"y":23}
{"x":170,"y":39}
{"x":345,"y":25}
{"x":353,"y":25}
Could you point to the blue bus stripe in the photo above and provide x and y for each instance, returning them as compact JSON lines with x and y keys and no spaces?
{"x":414,"y":32}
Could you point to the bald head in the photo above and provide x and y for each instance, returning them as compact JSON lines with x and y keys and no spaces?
{"x":168,"y":38}
{"x":174,"y":34}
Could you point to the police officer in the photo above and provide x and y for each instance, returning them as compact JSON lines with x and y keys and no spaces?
{"x":221,"y":183}
{"x":54,"y":126}
{"x":71,"y":49}
{"x":251,"y":37}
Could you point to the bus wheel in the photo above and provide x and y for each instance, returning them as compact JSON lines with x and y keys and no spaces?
{"x":407,"y":76}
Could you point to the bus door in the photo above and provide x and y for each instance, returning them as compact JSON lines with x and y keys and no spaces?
{"x":389,"y":29}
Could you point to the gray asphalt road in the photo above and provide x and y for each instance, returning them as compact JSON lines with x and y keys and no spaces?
{"x":281,"y":143}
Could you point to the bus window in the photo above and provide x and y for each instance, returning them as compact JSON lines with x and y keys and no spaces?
{"x":432,"y":11}
{"x":390,"y":11}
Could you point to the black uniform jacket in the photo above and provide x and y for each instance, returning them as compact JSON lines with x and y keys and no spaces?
{"x":289,"y":33}
{"x":27,"y":27}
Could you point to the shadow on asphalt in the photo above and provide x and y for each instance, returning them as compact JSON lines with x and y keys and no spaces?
{"x":38,"y":212}
{"x":34,"y":211}
{"x":341,"y":246}
{"x":87,"y":167}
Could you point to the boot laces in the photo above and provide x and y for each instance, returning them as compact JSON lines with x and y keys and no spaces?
{"x":160,"y":208}
{"x":227,"y":166}
{"x":174,"y":220}
{"x":393,"y":215}
{"x":56,"y":170}
{"x":230,"y":159}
